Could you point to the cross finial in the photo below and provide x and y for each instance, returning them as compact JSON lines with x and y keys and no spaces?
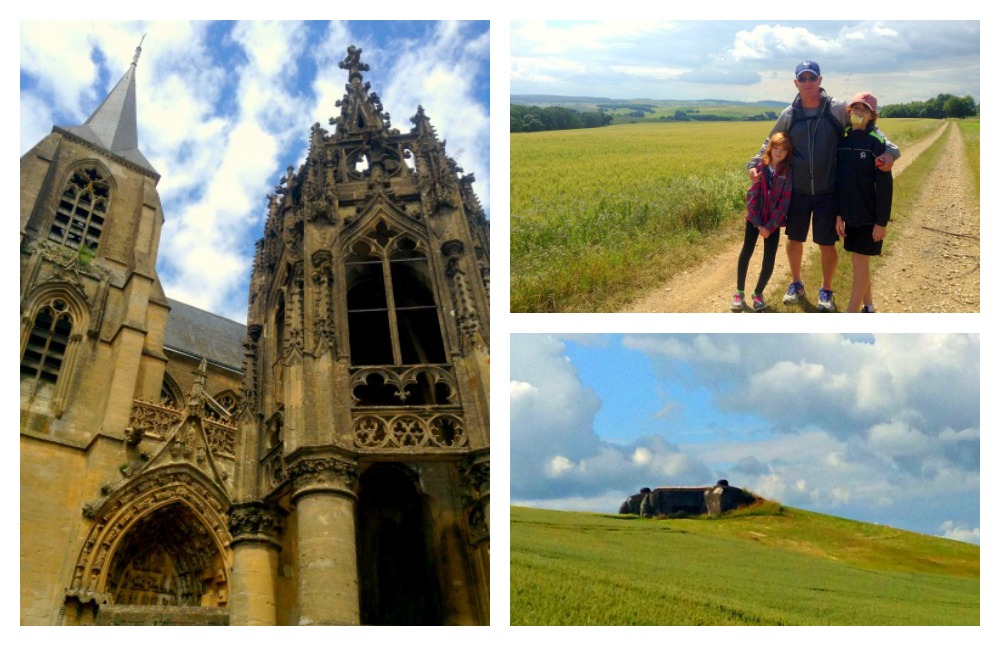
{"x":353,"y":63}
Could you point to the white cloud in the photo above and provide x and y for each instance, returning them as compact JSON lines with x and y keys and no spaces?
{"x":439,"y":74}
{"x":557,"y":466}
{"x":745,"y":60}
{"x":642,"y":456}
{"x":764,"y":41}
{"x":221,"y":115}
{"x":520,"y":388}
{"x":875,"y":427}
{"x":555,"y":451}
{"x":695,"y":347}
{"x":955,"y":532}
{"x":897,"y":439}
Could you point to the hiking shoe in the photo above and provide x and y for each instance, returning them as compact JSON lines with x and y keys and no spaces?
{"x":825,"y":301}
{"x":758,"y":303}
{"x":795,"y":290}
{"x":737,"y":304}
{"x":867,"y":309}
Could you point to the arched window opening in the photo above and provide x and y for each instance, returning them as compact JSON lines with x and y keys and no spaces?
{"x":170,"y":392}
{"x":397,"y":572}
{"x":82,"y":209}
{"x":46,"y":348}
{"x":393,"y":317}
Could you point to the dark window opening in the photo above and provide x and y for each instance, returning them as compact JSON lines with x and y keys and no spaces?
{"x":80,"y":215}
{"x":376,"y":392}
{"x":393,"y":317}
{"x":420,"y":336}
{"x":371,"y":343}
{"x":397,"y":574}
{"x":46,"y":348}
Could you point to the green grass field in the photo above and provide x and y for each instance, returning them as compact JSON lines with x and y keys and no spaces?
{"x":598,"y":215}
{"x":792,"y":568}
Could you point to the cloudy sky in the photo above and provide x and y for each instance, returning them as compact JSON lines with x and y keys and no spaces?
{"x":880,"y":428}
{"x":225,"y":108}
{"x":744,"y":60}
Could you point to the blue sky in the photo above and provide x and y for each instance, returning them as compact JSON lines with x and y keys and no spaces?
{"x":225,"y":107}
{"x":882,"y":428}
{"x":899,"y":61}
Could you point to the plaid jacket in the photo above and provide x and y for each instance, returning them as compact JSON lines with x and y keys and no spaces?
{"x":767,"y":204}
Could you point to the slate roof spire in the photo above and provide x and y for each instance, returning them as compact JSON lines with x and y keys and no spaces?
{"x":112,"y":126}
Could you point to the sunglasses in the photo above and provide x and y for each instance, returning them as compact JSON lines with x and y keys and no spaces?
{"x":807,"y":78}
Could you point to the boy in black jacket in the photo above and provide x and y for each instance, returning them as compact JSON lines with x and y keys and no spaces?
{"x":865,"y":195}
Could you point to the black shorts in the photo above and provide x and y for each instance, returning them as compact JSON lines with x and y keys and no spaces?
{"x":860,"y":240}
{"x":822,"y":208}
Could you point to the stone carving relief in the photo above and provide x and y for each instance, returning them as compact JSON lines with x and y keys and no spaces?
{"x":475,"y":471}
{"x":324,"y":326}
{"x":323,"y":472}
{"x":466,"y":315}
{"x":293,"y":344}
{"x":251,"y":520}
{"x":409,"y":431}
{"x":403,"y":386}
{"x":133,"y":501}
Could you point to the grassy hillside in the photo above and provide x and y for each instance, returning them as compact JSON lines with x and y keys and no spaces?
{"x":600,"y":215}
{"x":795,"y":567}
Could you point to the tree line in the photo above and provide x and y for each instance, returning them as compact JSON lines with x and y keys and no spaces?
{"x":940,"y":107}
{"x":532,"y":118}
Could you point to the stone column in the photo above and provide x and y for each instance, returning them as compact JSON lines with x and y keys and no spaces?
{"x":323,"y":491}
{"x":255,"y":528}
{"x":476,"y":472}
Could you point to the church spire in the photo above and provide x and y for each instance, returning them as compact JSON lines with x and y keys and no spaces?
{"x":112,"y":126}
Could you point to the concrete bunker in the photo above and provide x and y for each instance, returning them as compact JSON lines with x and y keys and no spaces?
{"x":687,"y":501}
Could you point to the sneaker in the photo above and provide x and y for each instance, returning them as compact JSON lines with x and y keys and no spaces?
{"x":758,"y":303}
{"x":795,"y":290}
{"x":825,"y":301}
{"x":737,"y":304}
{"x":867,"y":309}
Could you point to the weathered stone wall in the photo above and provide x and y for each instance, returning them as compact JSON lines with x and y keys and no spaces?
{"x":112,"y":615}
{"x":723,"y":498}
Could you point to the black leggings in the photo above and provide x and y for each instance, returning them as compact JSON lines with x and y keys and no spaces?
{"x":770,"y":251}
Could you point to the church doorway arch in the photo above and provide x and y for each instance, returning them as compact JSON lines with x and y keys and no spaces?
{"x":168,"y":558}
{"x":160,"y":540}
{"x":396,"y":565}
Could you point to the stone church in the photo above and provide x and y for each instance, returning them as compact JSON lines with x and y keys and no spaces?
{"x":327,"y":462}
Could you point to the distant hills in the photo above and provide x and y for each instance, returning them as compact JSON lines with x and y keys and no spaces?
{"x":546,"y":107}
{"x":589,"y":101}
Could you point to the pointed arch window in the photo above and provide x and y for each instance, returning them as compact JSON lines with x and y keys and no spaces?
{"x":392,"y":314}
{"x":82,"y":209}
{"x":170,"y":392}
{"x":47,"y":342}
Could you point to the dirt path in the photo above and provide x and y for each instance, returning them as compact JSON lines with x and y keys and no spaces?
{"x":708,"y":287}
{"x":934,"y":261}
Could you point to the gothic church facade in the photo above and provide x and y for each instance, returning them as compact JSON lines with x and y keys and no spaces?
{"x":326,"y":463}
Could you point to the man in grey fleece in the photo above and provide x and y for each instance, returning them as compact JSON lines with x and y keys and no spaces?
{"x":814,"y":123}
